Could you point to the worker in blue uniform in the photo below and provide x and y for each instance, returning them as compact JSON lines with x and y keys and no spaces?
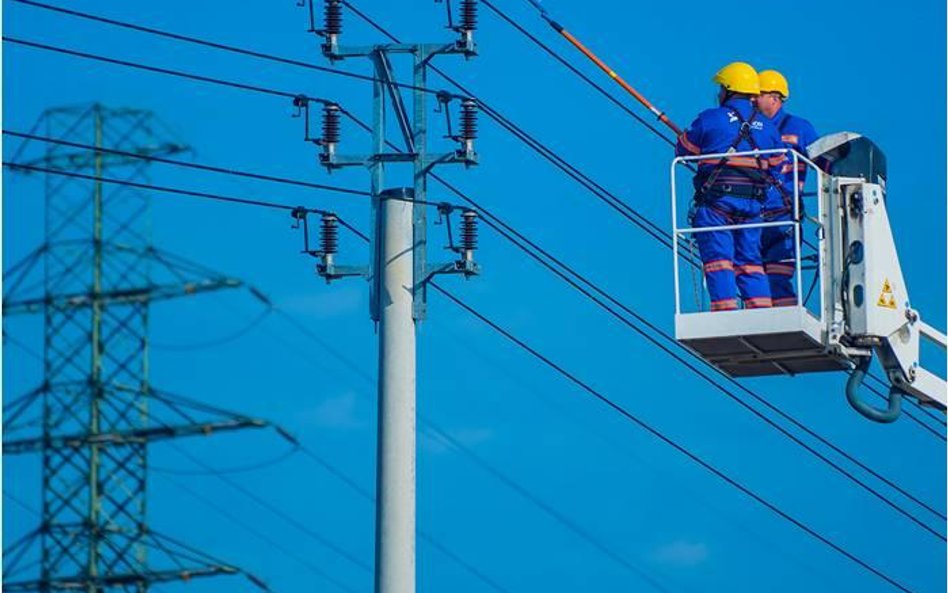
{"x":731,"y":190}
{"x":778,"y":244}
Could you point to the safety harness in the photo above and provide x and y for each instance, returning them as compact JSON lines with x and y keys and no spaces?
{"x":757,"y":175}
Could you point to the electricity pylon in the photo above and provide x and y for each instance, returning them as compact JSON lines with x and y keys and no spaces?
{"x":96,"y":407}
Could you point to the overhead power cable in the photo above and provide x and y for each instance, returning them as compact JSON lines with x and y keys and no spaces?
{"x":185,"y":164}
{"x":511,"y":483}
{"x":139,"y":66}
{"x":21,"y":503}
{"x":488,"y":216}
{"x":304,"y":64}
{"x":527,"y":138}
{"x":261,"y":535}
{"x":619,"y":205}
{"x":202,"y":194}
{"x":612,"y":99}
{"x":239,"y":469}
{"x":220,"y":46}
{"x":574,"y":279}
{"x":667,"y":440}
{"x":274,"y":509}
{"x":559,"y":58}
{"x":214,"y":342}
{"x":159,"y":188}
{"x":287,"y":207}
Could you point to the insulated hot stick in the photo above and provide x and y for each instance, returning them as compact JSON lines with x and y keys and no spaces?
{"x":605,"y":68}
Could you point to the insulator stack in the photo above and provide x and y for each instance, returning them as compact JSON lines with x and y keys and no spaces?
{"x":468,"y":119}
{"x":332,"y":123}
{"x":332,"y":130}
{"x":468,"y":130}
{"x":332,"y":17}
{"x":466,"y":25}
{"x":329,"y":234}
{"x":332,"y":27}
{"x":468,"y":15}
{"x":468,"y":234}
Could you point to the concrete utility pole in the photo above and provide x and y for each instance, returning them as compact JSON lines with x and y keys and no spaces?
{"x":395,"y":510}
{"x":399,"y":271}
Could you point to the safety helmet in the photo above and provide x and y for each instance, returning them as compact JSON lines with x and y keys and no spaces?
{"x":738,"y":77}
{"x":772,"y":81}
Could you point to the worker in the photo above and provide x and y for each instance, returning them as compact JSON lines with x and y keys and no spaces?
{"x":778,"y":244}
{"x":731,"y":190}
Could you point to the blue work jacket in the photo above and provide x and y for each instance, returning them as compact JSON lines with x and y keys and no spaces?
{"x":718,"y":130}
{"x":797,"y":133}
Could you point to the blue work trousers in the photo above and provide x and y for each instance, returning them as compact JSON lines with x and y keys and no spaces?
{"x":732,"y":259}
{"x":778,"y":248}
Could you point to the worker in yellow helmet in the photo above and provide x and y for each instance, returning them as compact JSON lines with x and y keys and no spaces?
{"x":778,"y":244}
{"x":730,"y":190}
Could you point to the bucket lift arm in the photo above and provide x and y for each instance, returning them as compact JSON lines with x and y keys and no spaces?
{"x":873,"y":309}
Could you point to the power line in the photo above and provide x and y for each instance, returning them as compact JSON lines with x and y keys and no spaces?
{"x":262,"y":536}
{"x":289,"y":519}
{"x":210,"y":168}
{"x":680,"y":448}
{"x":513,"y":128}
{"x":656,"y":433}
{"x":240,"y":469}
{"x":215,"y":342}
{"x":284,"y":180}
{"x":186,"y":164}
{"x":558,"y":57}
{"x":810,"y":531}
{"x":577,"y":72}
{"x":22,"y":345}
{"x":514,"y":237}
{"x":139,"y":66}
{"x":609,"y":198}
{"x":19,"y":502}
{"x":221,"y":46}
{"x":549,"y":510}
{"x":364,"y":493}
{"x":161,"y":188}
{"x":487,"y":215}
{"x":504,"y":122}
{"x":644,"y":334}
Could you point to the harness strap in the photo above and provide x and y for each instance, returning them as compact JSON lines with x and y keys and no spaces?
{"x":771,"y":180}
{"x":744,"y":133}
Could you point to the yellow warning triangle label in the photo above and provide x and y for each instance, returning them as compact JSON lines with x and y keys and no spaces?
{"x":886,"y":299}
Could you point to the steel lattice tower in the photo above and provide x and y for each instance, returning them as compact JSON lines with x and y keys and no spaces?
{"x":97,"y":407}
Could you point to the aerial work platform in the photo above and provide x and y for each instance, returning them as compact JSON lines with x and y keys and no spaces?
{"x":853,"y":302}
{"x":757,"y":342}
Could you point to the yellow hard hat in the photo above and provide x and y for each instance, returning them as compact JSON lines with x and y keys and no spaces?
{"x":738,"y":77}
{"x":772,"y":81}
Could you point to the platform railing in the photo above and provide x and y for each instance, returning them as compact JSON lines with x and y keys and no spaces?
{"x":684,"y":233}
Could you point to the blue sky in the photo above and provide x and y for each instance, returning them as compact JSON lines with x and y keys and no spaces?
{"x":644,"y":501}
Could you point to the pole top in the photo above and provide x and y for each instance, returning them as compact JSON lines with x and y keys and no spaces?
{"x":398,"y":193}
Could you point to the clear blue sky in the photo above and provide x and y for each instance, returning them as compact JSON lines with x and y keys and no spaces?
{"x":873,"y":67}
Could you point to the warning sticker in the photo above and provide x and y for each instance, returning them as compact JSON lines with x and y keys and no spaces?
{"x":887,"y":299}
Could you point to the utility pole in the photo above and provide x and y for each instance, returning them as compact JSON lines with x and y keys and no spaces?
{"x":395,"y":510}
{"x":96,"y":409}
{"x":399,"y":271}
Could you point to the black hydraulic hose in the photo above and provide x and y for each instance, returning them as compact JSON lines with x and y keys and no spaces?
{"x":894,"y":400}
